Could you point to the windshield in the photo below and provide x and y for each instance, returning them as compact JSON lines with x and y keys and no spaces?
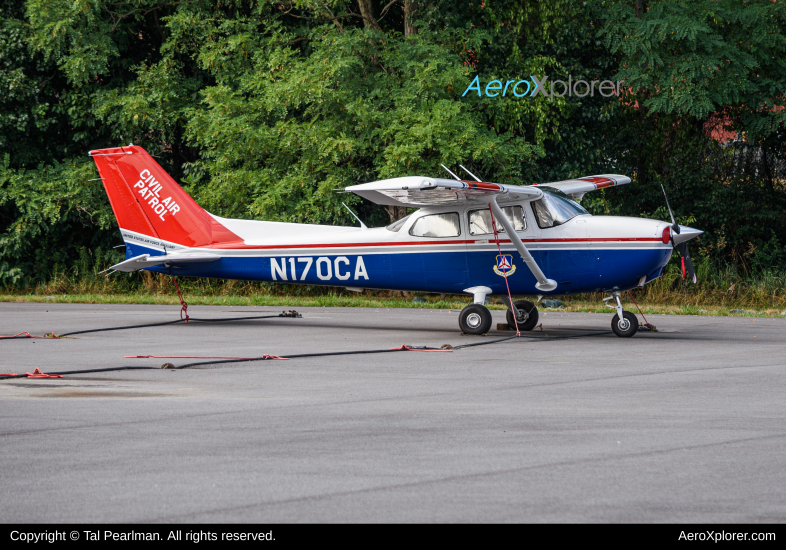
{"x":398,"y":224}
{"x":555,"y":208}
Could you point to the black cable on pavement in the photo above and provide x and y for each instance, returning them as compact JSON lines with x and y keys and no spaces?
{"x":299,"y":356}
{"x":272,"y":357}
{"x":26,"y":336}
{"x":362,"y":352}
{"x":192,"y":319}
{"x":108,"y":369}
{"x":223,"y":361}
{"x":533,"y":337}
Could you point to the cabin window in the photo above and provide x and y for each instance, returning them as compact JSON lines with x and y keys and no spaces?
{"x":437,"y":225}
{"x":398,"y":224}
{"x":555,"y":208}
{"x":480,"y":220}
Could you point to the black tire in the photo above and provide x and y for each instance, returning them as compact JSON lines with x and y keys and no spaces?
{"x":628,"y":327}
{"x":528,"y":320}
{"x":475,"y":319}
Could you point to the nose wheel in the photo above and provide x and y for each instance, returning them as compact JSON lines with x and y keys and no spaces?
{"x":625,"y":327}
{"x":475,"y":319}
{"x":624,"y":323}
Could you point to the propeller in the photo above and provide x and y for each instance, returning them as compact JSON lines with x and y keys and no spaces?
{"x":674,"y":225}
{"x":687,"y":264}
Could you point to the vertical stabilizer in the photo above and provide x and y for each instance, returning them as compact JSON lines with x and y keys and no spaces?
{"x":146,"y":200}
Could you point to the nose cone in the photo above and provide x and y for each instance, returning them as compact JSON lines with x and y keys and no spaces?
{"x":686,"y":234}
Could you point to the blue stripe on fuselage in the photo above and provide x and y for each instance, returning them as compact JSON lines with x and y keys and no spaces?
{"x":575,"y":270}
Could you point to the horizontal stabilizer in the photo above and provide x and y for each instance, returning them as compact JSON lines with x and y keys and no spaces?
{"x":146,"y":260}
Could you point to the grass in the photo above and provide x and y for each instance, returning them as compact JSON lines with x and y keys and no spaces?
{"x":719,"y":291}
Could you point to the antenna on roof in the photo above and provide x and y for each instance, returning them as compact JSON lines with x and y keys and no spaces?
{"x":451,"y":173}
{"x":470,"y":173}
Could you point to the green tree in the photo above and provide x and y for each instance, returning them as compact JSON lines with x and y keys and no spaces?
{"x":695,"y":57}
{"x":262,"y":108}
{"x":687,"y":65}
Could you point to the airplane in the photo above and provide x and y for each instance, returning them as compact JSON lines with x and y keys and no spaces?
{"x":466,"y":236}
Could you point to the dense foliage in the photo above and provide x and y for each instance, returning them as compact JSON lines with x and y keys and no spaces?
{"x":262,"y":108}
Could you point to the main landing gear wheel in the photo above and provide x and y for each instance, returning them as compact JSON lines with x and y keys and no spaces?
{"x":625,"y":327}
{"x":528,"y":315}
{"x":475,"y":319}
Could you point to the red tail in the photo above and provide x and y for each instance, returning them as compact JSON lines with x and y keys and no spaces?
{"x":146,"y":200}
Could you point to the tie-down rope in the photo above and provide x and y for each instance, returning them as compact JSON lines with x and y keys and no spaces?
{"x":513,"y":308}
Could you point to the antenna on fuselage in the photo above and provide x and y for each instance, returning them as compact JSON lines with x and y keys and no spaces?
{"x":470,"y":173}
{"x":362,"y":225}
{"x":451,"y":173}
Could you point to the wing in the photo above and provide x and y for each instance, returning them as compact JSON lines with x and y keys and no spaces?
{"x":423,"y":191}
{"x":146,"y":260}
{"x":578,"y":187}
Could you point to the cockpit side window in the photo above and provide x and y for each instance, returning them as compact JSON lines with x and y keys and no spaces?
{"x":542,"y":214}
{"x":437,"y":225}
{"x":480,"y":220}
{"x":555,"y":208}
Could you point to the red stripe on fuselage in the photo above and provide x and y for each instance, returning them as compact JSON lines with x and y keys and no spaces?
{"x":330,"y":245}
{"x":608,"y":240}
{"x":243,"y":246}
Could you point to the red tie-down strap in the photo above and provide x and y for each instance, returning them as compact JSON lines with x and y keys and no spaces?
{"x":409,"y":348}
{"x":183,"y":304}
{"x":646,"y":323}
{"x":38,"y":374}
{"x":499,"y":248}
{"x":35,"y":374}
{"x":28,"y":335}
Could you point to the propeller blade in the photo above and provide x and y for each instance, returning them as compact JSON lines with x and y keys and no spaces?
{"x":686,"y":262}
{"x":674,"y":225}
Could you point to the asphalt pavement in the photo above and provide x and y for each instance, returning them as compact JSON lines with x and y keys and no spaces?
{"x":569,"y":424}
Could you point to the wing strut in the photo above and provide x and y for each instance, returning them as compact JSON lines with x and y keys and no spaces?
{"x":543,"y":283}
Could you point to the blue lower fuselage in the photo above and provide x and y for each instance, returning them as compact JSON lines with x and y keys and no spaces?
{"x":576,"y":270}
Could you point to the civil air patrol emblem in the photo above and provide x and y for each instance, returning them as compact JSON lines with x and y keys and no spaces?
{"x":505,"y":266}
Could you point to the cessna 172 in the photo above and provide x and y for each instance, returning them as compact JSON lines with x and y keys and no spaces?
{"x":545,"y":244}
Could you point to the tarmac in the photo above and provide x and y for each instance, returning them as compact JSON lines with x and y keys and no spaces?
{"x":687,"y":424}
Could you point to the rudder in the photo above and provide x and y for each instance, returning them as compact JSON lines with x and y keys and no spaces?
{"x":146,"y":200}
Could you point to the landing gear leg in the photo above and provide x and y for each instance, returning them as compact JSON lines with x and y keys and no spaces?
{"x":624,"y":323}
